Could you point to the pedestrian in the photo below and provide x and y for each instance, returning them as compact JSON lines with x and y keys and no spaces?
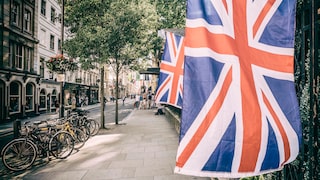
{"x":123,"y":99}
{"x":136,"y":103}
{"x":141,"y":102}
{"x":149,"y":100}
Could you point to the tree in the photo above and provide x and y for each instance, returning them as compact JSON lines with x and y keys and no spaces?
{"x":108,"y":32}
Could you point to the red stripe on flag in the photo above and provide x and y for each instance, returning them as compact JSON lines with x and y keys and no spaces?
{"x":281,"y":129}
{"x":262,"y":15}
{"x":193,"y":143}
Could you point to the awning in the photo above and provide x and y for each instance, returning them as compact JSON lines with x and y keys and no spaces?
{"x":154,"y":71}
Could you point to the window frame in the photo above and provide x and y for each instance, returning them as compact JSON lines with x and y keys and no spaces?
{"x":27,"y":20}
{"x":42,"y":60}
{"x":15,"y":96}
{"x":52,"y":41}
{"x":53,"y":15}
{"x":30,"y":97}
{"x":15,"y":13}
{"x":43,"y":8}
{"x":17,"y":56}
{"x":43,"y":99}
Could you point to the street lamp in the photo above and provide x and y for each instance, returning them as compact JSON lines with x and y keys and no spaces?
{"x":61,"y":113}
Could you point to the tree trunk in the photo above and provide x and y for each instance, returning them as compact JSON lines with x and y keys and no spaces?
{"x":102,"y":98}
{"x":117,"y":91}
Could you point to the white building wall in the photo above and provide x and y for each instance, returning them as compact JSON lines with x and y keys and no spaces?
{"x":47,"y":28}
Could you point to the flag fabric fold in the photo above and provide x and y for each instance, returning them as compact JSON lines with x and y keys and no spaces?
{"x":240,"y":114}
{"x":170,"y":83}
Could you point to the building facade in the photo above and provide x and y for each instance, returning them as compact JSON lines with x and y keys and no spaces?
{"x":49,"y":34}
{"x":80,"y":85}
{"x":19,"y":79}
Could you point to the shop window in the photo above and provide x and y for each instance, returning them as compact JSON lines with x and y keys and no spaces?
{"x":48,"y":102}
{"x":15,"y":95}
{"x":29,"y":97}
{"x":53,"y":98}
{"x":43,"y":99}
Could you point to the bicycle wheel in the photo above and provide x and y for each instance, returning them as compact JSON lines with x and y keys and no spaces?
{"x":86,"y":131}
{"x":61,"y":145}
{"x":79,"y":137}
{"x":19,"y":154}
{"x":93,"y":126}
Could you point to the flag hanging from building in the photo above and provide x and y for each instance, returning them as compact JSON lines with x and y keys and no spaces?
{"x":170,"y":83}
{"x":240,"y":114}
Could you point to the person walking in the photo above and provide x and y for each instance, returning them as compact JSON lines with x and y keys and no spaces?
{"x":136,"y":103}
{"x":123,"y":99}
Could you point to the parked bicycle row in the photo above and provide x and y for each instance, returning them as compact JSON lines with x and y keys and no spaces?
{"x":49,"y":138}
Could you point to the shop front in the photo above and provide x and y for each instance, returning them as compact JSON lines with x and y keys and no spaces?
{"x":49,"y":96}
{"x":79,"y":95}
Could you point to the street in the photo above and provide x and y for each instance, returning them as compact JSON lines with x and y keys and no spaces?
{"x":110,"y":111}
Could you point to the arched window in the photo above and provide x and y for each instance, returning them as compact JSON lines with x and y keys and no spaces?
{"x":15,"y":95}
{"x":53,"y":98}
{"x":43,"y":99}
{"x":29,"y":97}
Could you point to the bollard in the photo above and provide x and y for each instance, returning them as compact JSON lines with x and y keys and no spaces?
{"x":16,"y":128}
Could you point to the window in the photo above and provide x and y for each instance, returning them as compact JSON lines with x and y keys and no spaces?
{"x":43,"y":99}
{"x":21,"y":57}
{"x":59,"y":44}
{"x":15,"y":13}
{"x":52,"y":42}
{"x":14,"y":97}
{"x":29,"y":97}
{"x":27,"y":55}
{"x":42,"y":67}
{"x":27,"y":20}
{"x":54,"y":98}
{"x":43,"y":7}
{"x":18,"y":56}
{"x":53,"y":15}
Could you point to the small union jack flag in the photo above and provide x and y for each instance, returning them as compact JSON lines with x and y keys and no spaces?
{"x":240,"y":114}
{"x":170,"y":82}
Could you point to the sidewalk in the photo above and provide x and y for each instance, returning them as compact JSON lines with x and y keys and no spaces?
{"x":7,"y":128}
{"x":142,"y":147}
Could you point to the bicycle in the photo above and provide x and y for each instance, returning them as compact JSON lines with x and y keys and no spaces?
{"x":79,"y":137}
{"x":19,"y":154}
{"x":83,"y":120}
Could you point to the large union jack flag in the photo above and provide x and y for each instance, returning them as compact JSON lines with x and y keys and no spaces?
{"x":240,"y":115}
{"x":170,"y":82}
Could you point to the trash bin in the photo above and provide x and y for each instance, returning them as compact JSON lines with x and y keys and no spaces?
{"x":16,"y":128}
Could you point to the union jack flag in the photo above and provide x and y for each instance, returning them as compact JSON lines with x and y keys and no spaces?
{"x":170,"y":82}
{"x":240,"y":114}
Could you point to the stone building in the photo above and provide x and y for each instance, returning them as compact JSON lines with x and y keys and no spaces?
{"x":19,"y":80}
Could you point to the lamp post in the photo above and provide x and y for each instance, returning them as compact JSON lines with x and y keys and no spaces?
{"x":61,"y":113}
